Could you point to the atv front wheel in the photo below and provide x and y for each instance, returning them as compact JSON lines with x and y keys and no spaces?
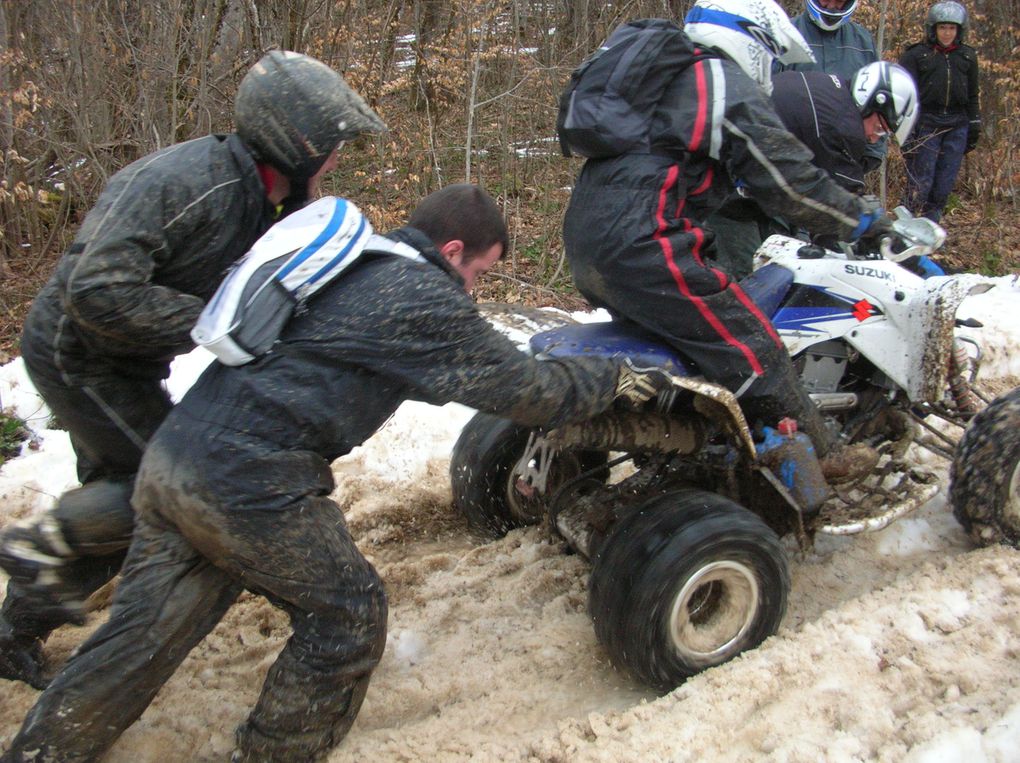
{"x":485,"y":488}
{"x":688,"y":581}
{"x":984,"y":486}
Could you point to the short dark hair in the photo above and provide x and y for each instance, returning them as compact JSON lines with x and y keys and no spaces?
{"x":463,"y":212}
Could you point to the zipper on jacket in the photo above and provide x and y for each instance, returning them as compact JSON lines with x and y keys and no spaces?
{"x":949,"y":74}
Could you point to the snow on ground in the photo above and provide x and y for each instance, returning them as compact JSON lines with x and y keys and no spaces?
{"x":901,"y":645}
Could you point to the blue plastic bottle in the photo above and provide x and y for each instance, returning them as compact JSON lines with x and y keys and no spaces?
{"x":791,"y":457}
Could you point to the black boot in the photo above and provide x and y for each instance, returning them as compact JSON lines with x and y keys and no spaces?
{"x":20,"y":657}
{"x":33,"y":555}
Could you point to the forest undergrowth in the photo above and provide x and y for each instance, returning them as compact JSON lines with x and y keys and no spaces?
{"x":468,"y":88}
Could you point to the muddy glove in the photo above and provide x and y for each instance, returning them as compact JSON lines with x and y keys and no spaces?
{"x":636,"y":386}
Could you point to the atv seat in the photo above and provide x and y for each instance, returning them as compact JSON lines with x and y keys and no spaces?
{"x":767,"y":286}
{"x":608,"y":339}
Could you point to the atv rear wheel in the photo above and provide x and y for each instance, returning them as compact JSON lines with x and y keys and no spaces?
{"x":688,"y":581}
{"x":984,"y":487}
{"x":486,"y":490}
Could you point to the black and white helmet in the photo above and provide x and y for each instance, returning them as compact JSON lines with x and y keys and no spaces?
{"x":827,"y":19}
{"x":292,"y":111}
{"x":947,"y":12}
{"x":889,"y":90}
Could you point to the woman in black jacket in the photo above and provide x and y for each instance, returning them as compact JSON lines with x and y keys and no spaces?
{"x":946,"y":73}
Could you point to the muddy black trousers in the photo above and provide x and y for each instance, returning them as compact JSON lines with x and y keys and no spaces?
{"x":109,"y":415}
{"x":709,"y":319}
{"x":187,"y":563}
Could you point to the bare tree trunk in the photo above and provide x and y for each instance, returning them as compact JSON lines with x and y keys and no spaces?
{"x":6,"y":127}
{"x":476,"y":66}
{"x":255,"y":24}
{"x":6,"y":112}
{"x":432,"y":20}
{"x":883,"y":175}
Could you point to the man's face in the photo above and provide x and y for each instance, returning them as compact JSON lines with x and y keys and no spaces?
{"x":474,"y":267}
{"x":328,"y":166}
{"x":946,"y":34}
{"x":875,"y":127}
{"x":833,"y":5}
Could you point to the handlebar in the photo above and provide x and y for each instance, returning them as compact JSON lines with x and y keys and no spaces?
{"x":921,"y":236}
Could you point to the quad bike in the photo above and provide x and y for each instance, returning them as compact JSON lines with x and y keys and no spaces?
{"x":680,"y":507}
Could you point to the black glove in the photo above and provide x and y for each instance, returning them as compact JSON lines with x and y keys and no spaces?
{"x":636,"y":386}
{"x":870,"y":163}
{"x":973,"y":135}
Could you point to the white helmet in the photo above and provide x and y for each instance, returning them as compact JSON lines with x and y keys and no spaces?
{"x":750,"y":33}
{"x":889,"y":90}
{"x":829,"y":20}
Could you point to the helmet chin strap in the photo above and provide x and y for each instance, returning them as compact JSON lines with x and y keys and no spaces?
{"x":297,"y":195}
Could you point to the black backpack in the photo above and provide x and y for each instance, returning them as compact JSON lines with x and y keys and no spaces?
{"x":607,"y":108}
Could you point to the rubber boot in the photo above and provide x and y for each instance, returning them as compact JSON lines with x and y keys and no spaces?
{"x":849,"y":463}
{"x":783,"y":396}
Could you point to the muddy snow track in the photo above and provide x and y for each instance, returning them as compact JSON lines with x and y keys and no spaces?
{"x":894,"y":644}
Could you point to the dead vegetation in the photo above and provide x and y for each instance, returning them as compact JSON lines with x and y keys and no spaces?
{"x":468,"y":88}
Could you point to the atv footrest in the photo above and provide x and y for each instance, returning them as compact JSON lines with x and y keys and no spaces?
{"x":894,"y":489}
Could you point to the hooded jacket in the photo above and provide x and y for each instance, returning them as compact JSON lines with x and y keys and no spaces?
{"x":146,"y":259}
{"x":841,"y":51}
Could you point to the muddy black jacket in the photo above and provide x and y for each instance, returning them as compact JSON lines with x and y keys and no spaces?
{"x":946,"y":82}
{"x":147,"y":257}
{"x":713,"y":127}
{"x":820,"y":111}
{"x":387,"y":330}
{"x":840,"y":51}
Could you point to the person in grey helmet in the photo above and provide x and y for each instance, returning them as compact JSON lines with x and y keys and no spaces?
{"x":947,"y":74}
{"x":99,"y":338}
